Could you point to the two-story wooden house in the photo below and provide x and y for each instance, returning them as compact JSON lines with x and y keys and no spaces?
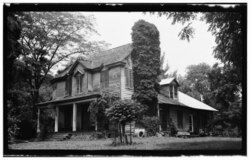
{"x":83,"y":81}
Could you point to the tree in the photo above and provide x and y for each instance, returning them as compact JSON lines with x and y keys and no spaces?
{"x":196,"y":83}
{"x":47,"y":38}
{"x":98,"y":107}
{"x":146,"y":64}
{"x":164,"y":71}
{"x":227,"y":27}
{"x":123,"y":112}
{"x":18,"y":97}
{"x":226,"y":93}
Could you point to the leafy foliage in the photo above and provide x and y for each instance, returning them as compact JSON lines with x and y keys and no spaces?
{"x":146,"y":63}
{"x":122,"y":112}
{"x":48,"y":38}
{"x":227,"y":27}
{"x":98,"y":107}
{"x":164,"y":71}
{"x":46,"y":123}
{"x":226,"y":93}
{"x":221,"y":89}
{"x":151,"y":124}
{"x":37,"y":42}
{"x":196,"y":82}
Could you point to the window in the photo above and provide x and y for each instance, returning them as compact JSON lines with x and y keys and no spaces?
{"x":105,"y":79}
{"x":175,"y":92}
{"x":180,"y":119}
{"x":79,"y":79}
{"x":129,"y":78}
{"x":171,"y":91}
{"x":68,"y":86}
{"x":191,"y":127}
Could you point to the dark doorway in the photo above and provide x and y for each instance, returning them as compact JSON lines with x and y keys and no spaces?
{"x":65,"y":118}
{"x":164,"y":116}
{"x":83,"y":118}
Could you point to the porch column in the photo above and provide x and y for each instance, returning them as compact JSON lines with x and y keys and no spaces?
{"x":74,"y":116}
{"x":38,"y":121}
{"x":56,"y":118}
{"x":158,"y":115}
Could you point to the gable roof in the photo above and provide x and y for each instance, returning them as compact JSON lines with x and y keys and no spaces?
{"x":104,"y":58}
{"x":111,"y":56}
{"x":168,"y":81}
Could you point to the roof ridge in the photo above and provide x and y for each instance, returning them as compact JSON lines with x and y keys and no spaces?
{"x":117,"y":47}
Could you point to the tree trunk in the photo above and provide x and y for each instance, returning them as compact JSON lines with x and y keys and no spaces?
{"x":35,"y":99}
{"x":120,"y":133}
{"x":130,"y":134}
{"x":123,"y":134}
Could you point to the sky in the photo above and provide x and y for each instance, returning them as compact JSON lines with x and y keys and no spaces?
{"x":115,"y":29}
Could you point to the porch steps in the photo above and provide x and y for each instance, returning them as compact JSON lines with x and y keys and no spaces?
{"x":61,"y":136}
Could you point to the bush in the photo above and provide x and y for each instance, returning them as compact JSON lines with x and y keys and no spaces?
{"x":46,"y":124}
{"x":151,"y":125}
{"x":173,"y":129}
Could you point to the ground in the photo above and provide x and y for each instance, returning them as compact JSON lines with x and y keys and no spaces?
{"x":148,"y":143}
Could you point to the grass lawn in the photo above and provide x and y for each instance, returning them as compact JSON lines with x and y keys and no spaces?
{"x":148,"y":143}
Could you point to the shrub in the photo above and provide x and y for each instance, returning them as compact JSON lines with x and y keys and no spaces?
{"x":46,"y":124}
{"x":151,"y":125}
{"x":123,"y":112}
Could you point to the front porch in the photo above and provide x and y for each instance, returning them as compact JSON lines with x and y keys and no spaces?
{"x":73,"y":117}
{"x":67,"y":115}
{"x":183,"y":118}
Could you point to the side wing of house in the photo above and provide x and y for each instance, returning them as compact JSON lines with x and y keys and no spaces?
{"x":184,"y":112}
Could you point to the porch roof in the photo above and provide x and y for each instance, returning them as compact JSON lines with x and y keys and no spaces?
{"x":194,"y":103}
{"x":185,"y":101}
{"x":70,"y":99}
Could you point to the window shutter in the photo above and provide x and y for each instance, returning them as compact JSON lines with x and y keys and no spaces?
{"x":131,"y":79}
{"x":106,"y":78}
{"x":102,"y":79}
{"x":70,"y":85}
{"x":66,"y":87}
{"x":81,"y":78}
{"x":127,"y":78}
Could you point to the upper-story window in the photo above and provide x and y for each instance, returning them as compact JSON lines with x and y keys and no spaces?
{"x":68,"y":86}
{"x":171,"y":87}
{"x":79,"y":79}
{"x":173,"y":91}
{"x":129,"y":78}
{"x":105,"y":79}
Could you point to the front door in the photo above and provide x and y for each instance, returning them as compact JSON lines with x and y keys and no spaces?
{"x":191,"y":123}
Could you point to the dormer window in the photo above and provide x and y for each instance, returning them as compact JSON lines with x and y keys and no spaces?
{"x":79,"y":78}
{"x":173,"y":91}
{"x":171,"y":88}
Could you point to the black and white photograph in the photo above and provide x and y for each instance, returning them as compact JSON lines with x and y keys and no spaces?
{"x":124,"y":79}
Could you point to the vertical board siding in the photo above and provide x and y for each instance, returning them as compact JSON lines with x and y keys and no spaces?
{"x":60,"y":89}
{"x":114,"y":77}
{"x":96,"y":81}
